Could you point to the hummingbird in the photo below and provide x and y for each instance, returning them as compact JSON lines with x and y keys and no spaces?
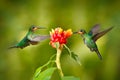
{"x":30,"y":38}
{"x":92,"y":36}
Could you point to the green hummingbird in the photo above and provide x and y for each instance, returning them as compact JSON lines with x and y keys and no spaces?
{"x":92,"y":36}
{"x":30,"y":38}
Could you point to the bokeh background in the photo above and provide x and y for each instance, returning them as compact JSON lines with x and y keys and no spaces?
{"x":16,"y":16}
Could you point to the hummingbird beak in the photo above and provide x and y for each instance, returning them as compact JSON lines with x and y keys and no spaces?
{"x":80,"y":32}
{"x":41,"y":28}
{"x":75,"y":32}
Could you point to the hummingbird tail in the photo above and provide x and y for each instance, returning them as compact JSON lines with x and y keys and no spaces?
{"x":99,"y":55}
{"x":12,"y":47}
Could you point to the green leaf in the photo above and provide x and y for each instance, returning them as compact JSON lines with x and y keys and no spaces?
{"x":70,"y":78}
{"x":39,"y":69}
{"x":46,"y":74}
{"x":50,"y":62}
{"x":75,"y":57}
{"x":37,"y":72}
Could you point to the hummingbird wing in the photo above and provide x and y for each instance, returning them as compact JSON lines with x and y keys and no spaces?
{"x":95,"y":29}
{"x":39,"y":38}
{"x":100,"y":34}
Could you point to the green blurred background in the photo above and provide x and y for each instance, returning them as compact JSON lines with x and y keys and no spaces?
{"x":17,"y":15}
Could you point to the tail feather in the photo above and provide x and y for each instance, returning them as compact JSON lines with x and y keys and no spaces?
{"x":99,"y":55}
{"x":12,"y":47}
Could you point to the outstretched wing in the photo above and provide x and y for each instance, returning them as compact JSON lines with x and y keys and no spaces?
{"x":95,"y":29}
{"x":39,"y":38}
{"x":100,"y":34}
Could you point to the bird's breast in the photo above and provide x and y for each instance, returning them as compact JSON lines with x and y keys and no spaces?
{"x":33,"y":42}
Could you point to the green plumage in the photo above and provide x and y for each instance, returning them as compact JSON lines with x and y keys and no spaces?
{"x":24,"y":42}
{"x":91,"y":44}
{"x":88,"y":41}
{"x":30,"y":38}
{"x":92,"y":36}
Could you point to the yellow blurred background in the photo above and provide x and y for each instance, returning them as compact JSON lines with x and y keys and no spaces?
{"x":16,"y":16}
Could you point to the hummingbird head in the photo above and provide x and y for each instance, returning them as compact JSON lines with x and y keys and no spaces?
{"x":82,"y":31}
{"x":33,"y":28}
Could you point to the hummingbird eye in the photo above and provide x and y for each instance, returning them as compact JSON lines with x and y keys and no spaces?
{"x":33,"y":27}
{"x":81,"y":30}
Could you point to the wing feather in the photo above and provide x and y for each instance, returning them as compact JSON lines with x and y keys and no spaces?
{"x":100,"y":34}
{"x":95,"y":29}
{"x":39,"y":38}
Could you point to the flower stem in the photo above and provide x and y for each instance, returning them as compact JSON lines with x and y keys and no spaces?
{"x":58,"y":61}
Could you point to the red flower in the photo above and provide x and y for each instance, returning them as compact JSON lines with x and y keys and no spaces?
{"x":59,"y":35}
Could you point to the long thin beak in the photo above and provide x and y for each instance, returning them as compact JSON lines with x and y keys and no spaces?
{"x":41,"y":28}
{"x":80,"y":32}
{"x":75,"y":32}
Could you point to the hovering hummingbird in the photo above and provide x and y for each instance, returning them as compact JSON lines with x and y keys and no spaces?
{"x":92,"y":36}
{"x":30,"y":38}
